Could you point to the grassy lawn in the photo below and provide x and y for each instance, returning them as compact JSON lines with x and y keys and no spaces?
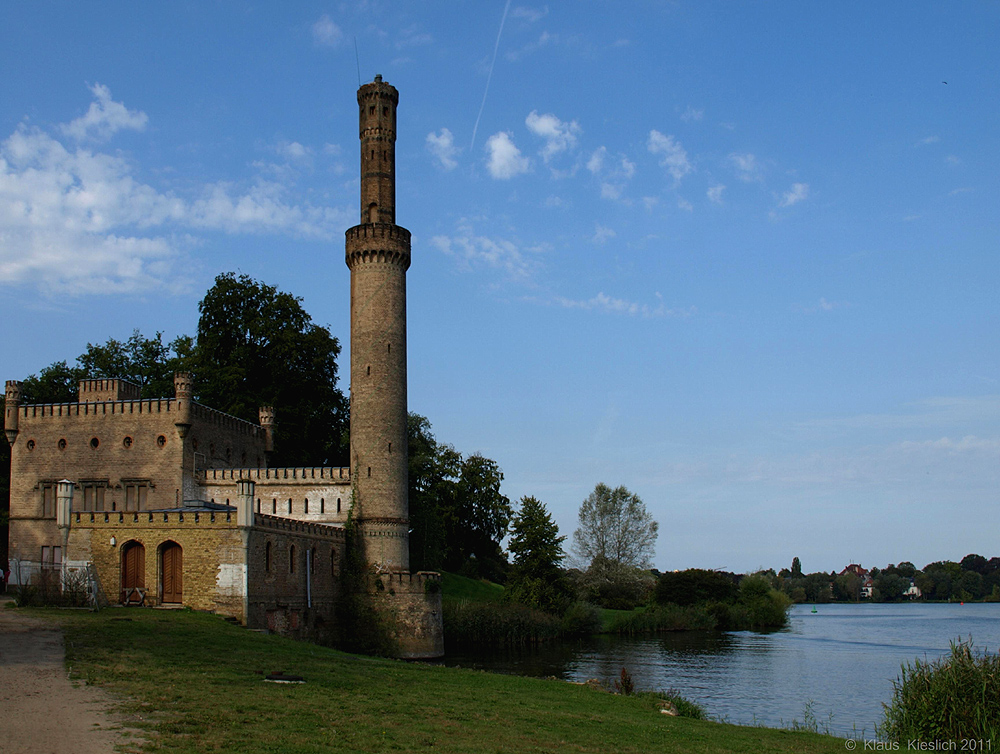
{"x":455,"y":588}
{"x":195,"y":683}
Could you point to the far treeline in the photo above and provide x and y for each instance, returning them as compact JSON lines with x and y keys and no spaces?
{"x":257,"y":346}
{"x":972,"y":579}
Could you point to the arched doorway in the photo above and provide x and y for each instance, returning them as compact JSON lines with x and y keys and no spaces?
{"x":171,"y":573}
{"x":133,"y":590}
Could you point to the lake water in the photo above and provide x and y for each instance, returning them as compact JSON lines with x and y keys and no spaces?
{"x":836,"y":665}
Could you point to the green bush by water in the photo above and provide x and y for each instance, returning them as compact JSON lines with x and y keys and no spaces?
{"x":496,"y":624}
{"x":954,"y":698}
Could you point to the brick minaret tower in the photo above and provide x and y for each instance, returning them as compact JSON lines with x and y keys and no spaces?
{"x":378,"y":255}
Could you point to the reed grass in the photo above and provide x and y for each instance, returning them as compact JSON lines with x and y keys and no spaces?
{"x":953,"y":699}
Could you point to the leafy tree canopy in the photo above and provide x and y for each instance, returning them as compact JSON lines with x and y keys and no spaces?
{"x":536,"y":552}
{"x":458,"y":514}
{"x":256,"y":347}
{"x":148,"y":362}
{"x":615,"y":526}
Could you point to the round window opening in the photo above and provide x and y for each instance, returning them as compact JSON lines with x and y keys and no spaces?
{"x":62,"y":444}
{"x":127,"y":442}
{"x":94,"y":442}
{"x":31,"y":444}
{"x":161,"y":441}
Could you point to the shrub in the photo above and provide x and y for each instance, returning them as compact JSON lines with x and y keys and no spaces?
{"x":950,"y":699}
{"x":693,"y":586}
{"x":581,"y":619}
{"x":497,"y":624}
{"x":672,"y":702}
{"x":664,"y":618}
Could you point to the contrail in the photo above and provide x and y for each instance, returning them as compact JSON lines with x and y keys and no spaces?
{"x":489,"y":77}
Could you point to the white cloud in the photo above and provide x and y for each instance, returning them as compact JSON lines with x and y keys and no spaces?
{"x":505,"y":160}
{"x":602,"y":234}
{"x":692,"y":114}
{"x":823,"y":305}
{"x":685,"y":205}
{"x":611,"y":191}
{"x":325,"y":32}
{"x":953,"y":159}
{"x":929,"y":140}
{"x":77,"y":221}
{"x":672,"y":154}
{"x":611,"y":305}
{"x":596,"y":161}
{"x":442,"y":146}
{"x":747,"y":167}
{"x":293,"y":151}
{"x":471,"y":250}
{"x":544,"y":39}
{"x":529,"y":14}
{"x":559,"y":135}
{"x":104,"y":118}
{"x":263,"y":208}
{"x":714,"y":193}
{"x":798,"y":193}
{"x":613,"y":179}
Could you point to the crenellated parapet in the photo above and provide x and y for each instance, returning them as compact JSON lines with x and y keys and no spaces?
{"x":101,"y":389}
{"x":304,"y":473}
{"x":289,"y":525}
{"x":377,"y":243}
{"x":105,"y":408}
{"x":225,"y":421}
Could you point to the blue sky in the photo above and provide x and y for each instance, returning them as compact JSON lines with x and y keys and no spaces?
{"x":739,"y":257}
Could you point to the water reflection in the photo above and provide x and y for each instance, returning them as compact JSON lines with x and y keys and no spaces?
{"x":836,"y":665}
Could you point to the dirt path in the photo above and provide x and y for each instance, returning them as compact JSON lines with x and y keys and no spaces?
{"x":41,"y":712}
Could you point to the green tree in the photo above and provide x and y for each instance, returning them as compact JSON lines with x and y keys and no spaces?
{"x":976,"y":563}
{"x":458,"y":514}
{"x":481,"y":516}
{"x":258,"y":347}
{"x":889,"y":587}
{"x":536,"y":553}
{"x":148,"y":362}
{"x":695,"y":585}
{"x":56,"y":383}
{"x":434,"y":469}
{"x":796,"y":568}
{"x":615,"y":526}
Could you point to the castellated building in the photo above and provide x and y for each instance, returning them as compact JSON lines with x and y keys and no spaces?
{"x":163,"y":501}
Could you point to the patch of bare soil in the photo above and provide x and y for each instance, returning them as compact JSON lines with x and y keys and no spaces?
{"x":41,"y":712}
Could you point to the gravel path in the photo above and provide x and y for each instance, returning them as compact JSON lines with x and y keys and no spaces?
{"x":41,"y":712}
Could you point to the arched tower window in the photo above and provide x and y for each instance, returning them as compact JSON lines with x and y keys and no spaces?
{"x":373,"y":212}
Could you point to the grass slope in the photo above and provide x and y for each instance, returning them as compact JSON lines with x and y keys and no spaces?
{"x":195,"y":684}
{"x":456,"y":588}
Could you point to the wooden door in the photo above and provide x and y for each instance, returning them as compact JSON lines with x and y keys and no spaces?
{"x":172,"y":569}
{"x":133,"y":572}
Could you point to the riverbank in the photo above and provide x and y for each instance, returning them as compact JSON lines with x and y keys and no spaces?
{"x":196,"y":683}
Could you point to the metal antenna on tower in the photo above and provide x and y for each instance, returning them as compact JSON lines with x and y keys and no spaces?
{"x":357,"y":59}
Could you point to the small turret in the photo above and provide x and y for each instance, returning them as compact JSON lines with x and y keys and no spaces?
{"x":266,"y":414}
{"x":184,"y":394}
{"x":12,"y":401}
